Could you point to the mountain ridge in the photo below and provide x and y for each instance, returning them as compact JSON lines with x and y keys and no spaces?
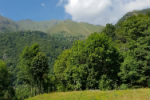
{"x":50,"y":26}
{"x":7,"y":24}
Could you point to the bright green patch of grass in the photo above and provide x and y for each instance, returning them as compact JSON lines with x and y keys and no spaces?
{"x":136,"y":94}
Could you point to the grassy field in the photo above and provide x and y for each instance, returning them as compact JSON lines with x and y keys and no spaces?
{"x":137,"y":94}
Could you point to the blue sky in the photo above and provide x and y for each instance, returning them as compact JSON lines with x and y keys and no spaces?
{"x":32,"y":9}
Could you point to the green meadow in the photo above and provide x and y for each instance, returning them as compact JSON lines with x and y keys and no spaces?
{"x":134,"y":94}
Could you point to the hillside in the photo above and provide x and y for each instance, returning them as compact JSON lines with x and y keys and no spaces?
{"x":135,"y":12}
{"x":37,"y":26}
{"x":139,"y":94}
{"x":7,"y":24}
{"x":75,"y":28}
{"x":57,"y":26}
{"x":12,"y":43}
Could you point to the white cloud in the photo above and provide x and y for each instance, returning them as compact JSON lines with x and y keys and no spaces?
{"x":101,"y":11}
{"x":43,"y":5}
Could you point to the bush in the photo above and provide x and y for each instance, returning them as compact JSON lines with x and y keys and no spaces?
{"x":123,"y":86}
{"x":105,"y":83}
{"x":22,"y":92}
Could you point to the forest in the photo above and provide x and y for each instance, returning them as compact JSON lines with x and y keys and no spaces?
{"x":115,"y":58}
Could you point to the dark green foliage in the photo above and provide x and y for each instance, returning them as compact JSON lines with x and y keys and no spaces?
{"x":22,"y":91}
{"x":136,"y":68}
{"x":32,"y":70}
{"x":86,"y":62}
{"x":110,"y":30}
{"x":39,"y":70}
{"x":133,"y":28}
{"x":134,"y":34}
{"x":12,"y":43}
{"x":6,"y":90}
{"x":105,"y":83}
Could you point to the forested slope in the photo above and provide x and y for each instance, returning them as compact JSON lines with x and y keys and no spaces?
{"x":12,"y":43}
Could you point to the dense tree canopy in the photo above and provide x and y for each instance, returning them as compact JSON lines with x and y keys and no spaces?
{"x":134,"y":34}
{"x":6,"y":91}
{"x":110,"y":30}
{"x":133,"y":27}
{"x":83,"y":66}
{"x":33,"y":69}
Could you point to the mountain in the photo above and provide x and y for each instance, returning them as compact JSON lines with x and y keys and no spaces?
{"x":36,"y":26}
{"x":135,"y":12}
{"x":58,"y":26}
{"x":7,"y":24}
{"x":50,"y":27}
{"x":75,"y":28}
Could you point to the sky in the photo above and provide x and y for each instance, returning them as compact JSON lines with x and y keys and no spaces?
{"x":98,"y":12}
{"x":32,"y":9}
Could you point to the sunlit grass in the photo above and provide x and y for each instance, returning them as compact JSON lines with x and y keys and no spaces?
{"x":135,"y":94}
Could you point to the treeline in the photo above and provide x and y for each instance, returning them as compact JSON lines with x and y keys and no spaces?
{"x":116,"y":58}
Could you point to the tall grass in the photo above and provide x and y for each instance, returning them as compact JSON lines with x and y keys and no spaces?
{"x":135,"y":94}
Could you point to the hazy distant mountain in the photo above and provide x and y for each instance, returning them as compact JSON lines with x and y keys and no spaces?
{"x":57,"y":26}
{"x":74,"y":28}
{"x":36,"y":26}
{"x":7,"y":24}
{"x":51,"y":27}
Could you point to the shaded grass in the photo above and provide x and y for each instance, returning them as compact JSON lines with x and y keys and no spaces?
{"x":135,"y":94}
